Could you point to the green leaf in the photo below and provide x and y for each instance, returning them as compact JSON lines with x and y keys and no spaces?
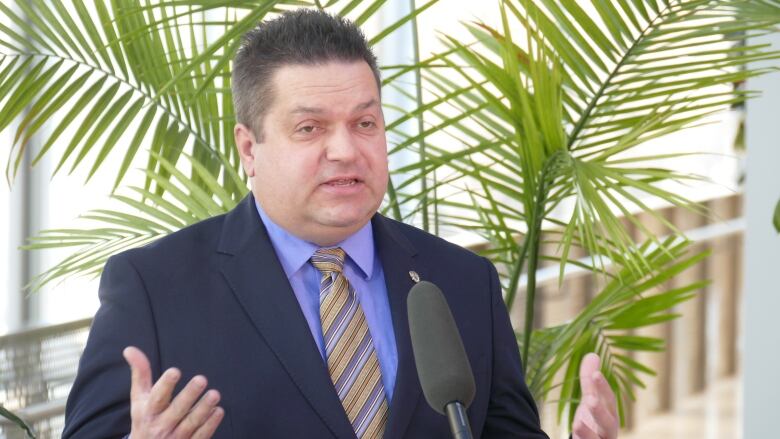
{"x":31,"y":82}
{"x":153,"y":216}
{"x":134,"y":144}
{"x":17,"y":420}
{"x":42,"y":115}
{"x":120,"y":127}
{"x":776,"y":219}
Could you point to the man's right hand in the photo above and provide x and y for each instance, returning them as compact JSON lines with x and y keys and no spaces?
{"x":156,"y":414}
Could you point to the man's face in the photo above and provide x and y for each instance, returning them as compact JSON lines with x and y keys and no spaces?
{"x":320,"y":170}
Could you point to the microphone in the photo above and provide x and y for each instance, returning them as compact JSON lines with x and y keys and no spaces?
{"x":442,"y":366}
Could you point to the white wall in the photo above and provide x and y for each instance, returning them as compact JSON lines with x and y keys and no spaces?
{"x":762,"y":259}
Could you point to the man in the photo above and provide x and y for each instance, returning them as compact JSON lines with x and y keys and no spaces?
{"x":294,"y":304}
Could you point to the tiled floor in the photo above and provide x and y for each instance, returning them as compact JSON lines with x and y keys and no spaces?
{"x":715,"y":414}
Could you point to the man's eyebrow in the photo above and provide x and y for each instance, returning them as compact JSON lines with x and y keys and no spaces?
{"x":307,"y":110}
{"x":301,"y":109}
{"x":366,"y":105}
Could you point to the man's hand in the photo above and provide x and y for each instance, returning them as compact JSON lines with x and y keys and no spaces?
{"x":155,"y":414}
{"x":596,"y":416}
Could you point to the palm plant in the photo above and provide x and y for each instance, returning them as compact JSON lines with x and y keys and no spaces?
{"x":547,"y":123}
{"x":542,"y":123}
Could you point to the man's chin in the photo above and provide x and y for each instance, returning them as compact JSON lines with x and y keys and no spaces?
{"x":334,"y":228}
{"x":345,"y":215}
{"x":347,"y":223}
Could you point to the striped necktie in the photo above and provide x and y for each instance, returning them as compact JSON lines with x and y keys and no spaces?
{"x":352,"y":361}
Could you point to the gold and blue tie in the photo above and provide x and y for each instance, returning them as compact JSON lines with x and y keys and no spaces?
{"x":349,"y":349}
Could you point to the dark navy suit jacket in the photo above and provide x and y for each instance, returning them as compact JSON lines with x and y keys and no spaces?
{"x":213,"y":299}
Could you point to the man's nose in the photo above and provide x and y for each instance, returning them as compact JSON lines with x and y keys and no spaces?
{"x":341,"y":145}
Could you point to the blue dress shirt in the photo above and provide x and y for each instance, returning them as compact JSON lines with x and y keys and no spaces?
{"x":364,"y":272}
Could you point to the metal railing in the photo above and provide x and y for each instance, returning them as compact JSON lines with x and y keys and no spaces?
{"x":37,"y":369}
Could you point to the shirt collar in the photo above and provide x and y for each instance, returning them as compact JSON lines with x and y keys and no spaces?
{"x":294,"y":252}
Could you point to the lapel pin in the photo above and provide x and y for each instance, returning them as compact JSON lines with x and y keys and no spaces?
{"x":415,"y":277}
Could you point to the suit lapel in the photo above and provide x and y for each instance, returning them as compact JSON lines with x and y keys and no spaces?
{"x":259,"y":283}
{"x":397,"y":256}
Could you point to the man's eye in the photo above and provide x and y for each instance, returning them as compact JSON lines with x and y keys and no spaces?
{"x":367,"y":124}
{"x":307,"y":129}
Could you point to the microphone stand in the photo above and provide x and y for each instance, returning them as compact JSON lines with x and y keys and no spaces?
{"x":459,"y":422}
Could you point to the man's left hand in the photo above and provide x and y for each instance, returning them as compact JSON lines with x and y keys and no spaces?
{"x":596,"y":417}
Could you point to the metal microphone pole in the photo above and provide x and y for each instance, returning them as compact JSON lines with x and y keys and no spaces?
{"x":459,"y":422}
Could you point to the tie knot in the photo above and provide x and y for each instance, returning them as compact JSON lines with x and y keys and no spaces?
{"x":328,"y":260}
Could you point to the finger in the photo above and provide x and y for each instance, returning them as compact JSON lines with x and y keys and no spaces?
{"x":183,"y":402}
{"x":199,"y":414}
{"x":604,"y":423}
{"x":210,"y":426}
{"x":590,"y":364}
{"x":605,"y":393}
{"x":160,"y":395}
{"x":581,"y":431}
{"x":141,"y":372}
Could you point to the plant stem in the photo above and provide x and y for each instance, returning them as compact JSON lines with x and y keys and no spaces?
{"x":420,"y":124}
{"x":395,"y":208}
{"x":517,"y":270}
{"x":531,"y":245}
{"x":533,"y":261}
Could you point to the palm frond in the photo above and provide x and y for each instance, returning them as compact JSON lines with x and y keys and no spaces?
{"x":628,"y":302}
{"x":119,"y":66}
{"x":184,"y":201}
{"x":588,"y":83}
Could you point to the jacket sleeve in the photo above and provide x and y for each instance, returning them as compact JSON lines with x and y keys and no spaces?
{"x":99,"y":402}
{"x":512,"y":412}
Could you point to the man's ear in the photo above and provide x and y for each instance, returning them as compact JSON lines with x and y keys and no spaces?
{"x":245,"y":142}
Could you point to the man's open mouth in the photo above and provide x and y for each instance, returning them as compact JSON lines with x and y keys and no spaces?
{"x":343,"y":182}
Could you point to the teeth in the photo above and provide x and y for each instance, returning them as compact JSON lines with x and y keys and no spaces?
{"x":344,"y":182}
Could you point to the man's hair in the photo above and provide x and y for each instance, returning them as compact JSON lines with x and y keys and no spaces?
{"x":300,"y":37}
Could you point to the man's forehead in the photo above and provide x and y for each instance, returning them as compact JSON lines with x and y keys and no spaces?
{"x":325,"y":76}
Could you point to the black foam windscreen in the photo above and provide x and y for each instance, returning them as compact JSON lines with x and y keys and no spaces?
{"x":442,"y":366}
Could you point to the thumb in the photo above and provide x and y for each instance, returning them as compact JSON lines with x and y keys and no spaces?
{"x":591,"y":363}
{"x":141,"y":372}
